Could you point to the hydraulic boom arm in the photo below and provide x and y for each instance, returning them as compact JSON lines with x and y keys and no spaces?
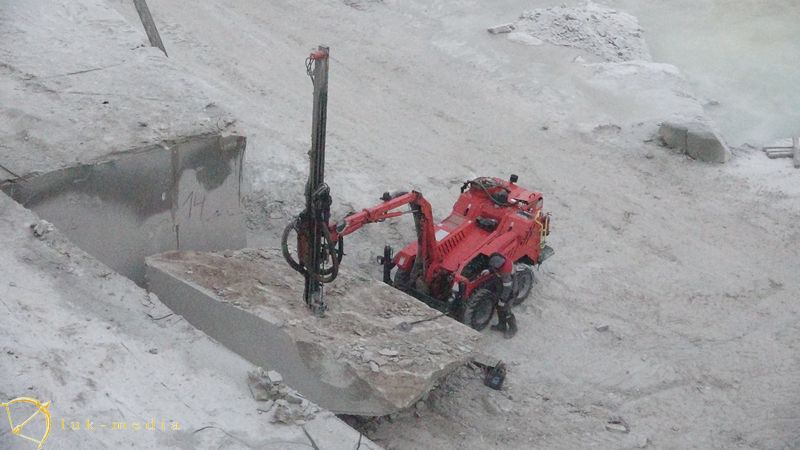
{"x":423,"y":220}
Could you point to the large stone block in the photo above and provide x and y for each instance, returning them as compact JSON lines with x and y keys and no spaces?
{"x":673,"y":135}
{"x":355,"y":360}
{"x":706,"y":145}
{"x":696,"y":140}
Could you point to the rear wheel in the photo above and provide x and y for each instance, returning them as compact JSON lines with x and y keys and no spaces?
{"x":524,"y":281}
{"x":478,"y":309}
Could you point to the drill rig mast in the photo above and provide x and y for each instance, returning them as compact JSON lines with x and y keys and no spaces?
{"x":315,"y":245}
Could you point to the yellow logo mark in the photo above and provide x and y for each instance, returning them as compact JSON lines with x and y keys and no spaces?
{"x":40,"y":408}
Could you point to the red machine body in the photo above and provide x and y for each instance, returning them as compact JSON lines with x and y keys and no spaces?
{"x":447,"y":264}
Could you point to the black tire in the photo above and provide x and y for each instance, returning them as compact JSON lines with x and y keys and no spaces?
{"x":524,"y":280}
{"x":479,"y":309}
{"x":402,"y":279}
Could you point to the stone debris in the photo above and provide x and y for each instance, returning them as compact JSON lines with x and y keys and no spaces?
{"x":266,"y":406}
{"x":295,"y":398}
{"x":612,"y":35}
{"x":367,"y":356}
{"x":41,"y":228}
{"x":274,"y":377}
{"x":380,"y":361}
{"x":499,"y":29}
{"x":284,"y":404}
{"x":262,"y":388}
{"x":617,"y":425}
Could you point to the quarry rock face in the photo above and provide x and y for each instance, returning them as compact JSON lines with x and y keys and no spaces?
{"x":355,"y":360}
{"x":182,"y":194}
{"x":696,"y":140}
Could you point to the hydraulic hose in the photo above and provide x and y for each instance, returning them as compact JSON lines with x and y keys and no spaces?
{"x":325,"y":275}
{"x":491,"y":197}
{"x":287,"y":255}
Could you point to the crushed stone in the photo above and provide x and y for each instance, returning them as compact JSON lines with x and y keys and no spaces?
{"x":610,"y":34}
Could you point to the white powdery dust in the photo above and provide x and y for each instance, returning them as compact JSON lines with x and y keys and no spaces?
{"x":607,"y":33}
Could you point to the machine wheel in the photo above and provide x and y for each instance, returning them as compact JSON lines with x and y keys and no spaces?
{"x":402,"y":278}
{"x":478,"y":309}
{"x":524,"y":281}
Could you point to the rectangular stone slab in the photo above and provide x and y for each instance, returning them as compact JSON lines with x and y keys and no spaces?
{"x":355,"y":360}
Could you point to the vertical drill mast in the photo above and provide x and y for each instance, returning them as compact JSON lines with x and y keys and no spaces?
{"x":316,"y":246}
{"x":318,"y":198}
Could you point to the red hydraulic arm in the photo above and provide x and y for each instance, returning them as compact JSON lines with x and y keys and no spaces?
{"x":423,"y":219}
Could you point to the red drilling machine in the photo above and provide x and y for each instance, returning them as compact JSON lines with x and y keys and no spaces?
{"x":447,"y":266}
